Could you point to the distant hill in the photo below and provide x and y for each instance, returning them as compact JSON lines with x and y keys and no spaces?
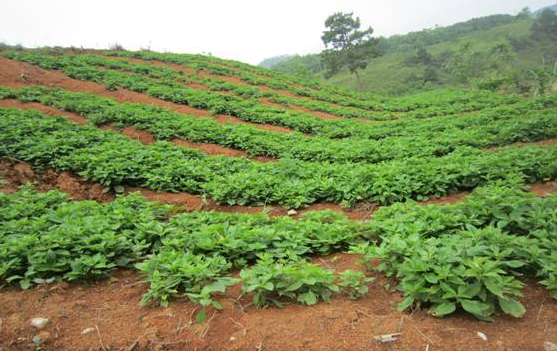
{"x":490,"y":52}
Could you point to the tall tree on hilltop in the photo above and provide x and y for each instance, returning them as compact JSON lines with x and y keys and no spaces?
{"x":346,"y":45}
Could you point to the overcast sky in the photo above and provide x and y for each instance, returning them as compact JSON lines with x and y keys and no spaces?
{"x":244,"y":30}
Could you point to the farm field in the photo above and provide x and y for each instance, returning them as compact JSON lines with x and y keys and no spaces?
{"x":158,"y":201}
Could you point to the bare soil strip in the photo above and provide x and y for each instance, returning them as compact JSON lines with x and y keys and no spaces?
{"x":547,"y":142}
{"x":47,"y":110}
{"x":110,"y":308}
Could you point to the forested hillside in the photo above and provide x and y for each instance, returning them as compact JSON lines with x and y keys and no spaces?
{"x":500,"y":52}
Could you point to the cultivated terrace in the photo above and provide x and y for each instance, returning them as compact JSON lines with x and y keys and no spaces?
{"x":456,"y":232}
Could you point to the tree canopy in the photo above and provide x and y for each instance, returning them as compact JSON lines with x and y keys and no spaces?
{"x":545,"y":26}
{"x":346,"y":45}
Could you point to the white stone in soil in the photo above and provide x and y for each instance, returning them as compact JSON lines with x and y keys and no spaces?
{"x":39,"y":323}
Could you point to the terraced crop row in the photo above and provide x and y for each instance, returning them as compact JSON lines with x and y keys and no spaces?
{"x":467,"y":256}
{"x":114,"y":160}
{"x":166,"y":125}
{"x":44,"y":237}
{"x":245,"y":110}
{"x":165,"y":88}
{"x":254,"y":76}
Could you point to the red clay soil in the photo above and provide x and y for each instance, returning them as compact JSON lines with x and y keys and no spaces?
{"x":17,"y":74}
{"x":278,"y":91}
{"x":140,"y":135}
{"x":197,"y":86}
{"x":106,"y":316}
{"x":543,"y":189}
{"x":184,"y":69}
{"x":539,"y":189}
{"x":210,"y":149}
{"x":17,"y":173}
{"x":446,"y":200}
{"x":214,"y":149}
{"x":47,"y":110}
{"x":548,"y":142}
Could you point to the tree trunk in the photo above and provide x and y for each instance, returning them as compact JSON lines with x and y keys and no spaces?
{"x":360,"y":86}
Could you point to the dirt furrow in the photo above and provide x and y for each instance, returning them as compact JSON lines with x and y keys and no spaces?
{"x":546,"y":142}
{"x":47,"y":110}
{"x":319,"y":114}
{"x":110,"y":309}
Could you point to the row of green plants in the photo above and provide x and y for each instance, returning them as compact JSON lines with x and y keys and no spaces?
{"x":166,"y":125}
{"x":44,"y":237}
{"x":114,"y":161}
{"x":250,"y":111}
{"x":471,"y":256}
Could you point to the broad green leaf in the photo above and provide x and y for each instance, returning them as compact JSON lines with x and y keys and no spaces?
{"x":407,"y":302}
{"x":308,"y":298}
{"x":477,"y":308}
{"x":25,"y":284}
{"x":493,"y":286}
{"x":443,"y":309}
{"x":472,"y":290}
{"x":514,"y":263}
{"x":512,"y":307}
{"x":217,"y":305}
{"x":295,"y":286}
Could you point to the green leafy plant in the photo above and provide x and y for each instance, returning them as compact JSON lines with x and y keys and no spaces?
{"x":205,"y":297}
{"x":353,"y":283}
{"x":468,"y":255}
{"x":272,"y":281}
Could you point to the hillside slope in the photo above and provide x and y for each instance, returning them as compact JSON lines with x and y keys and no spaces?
{"x":278,"y":181}
{"x":481,"y":41}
